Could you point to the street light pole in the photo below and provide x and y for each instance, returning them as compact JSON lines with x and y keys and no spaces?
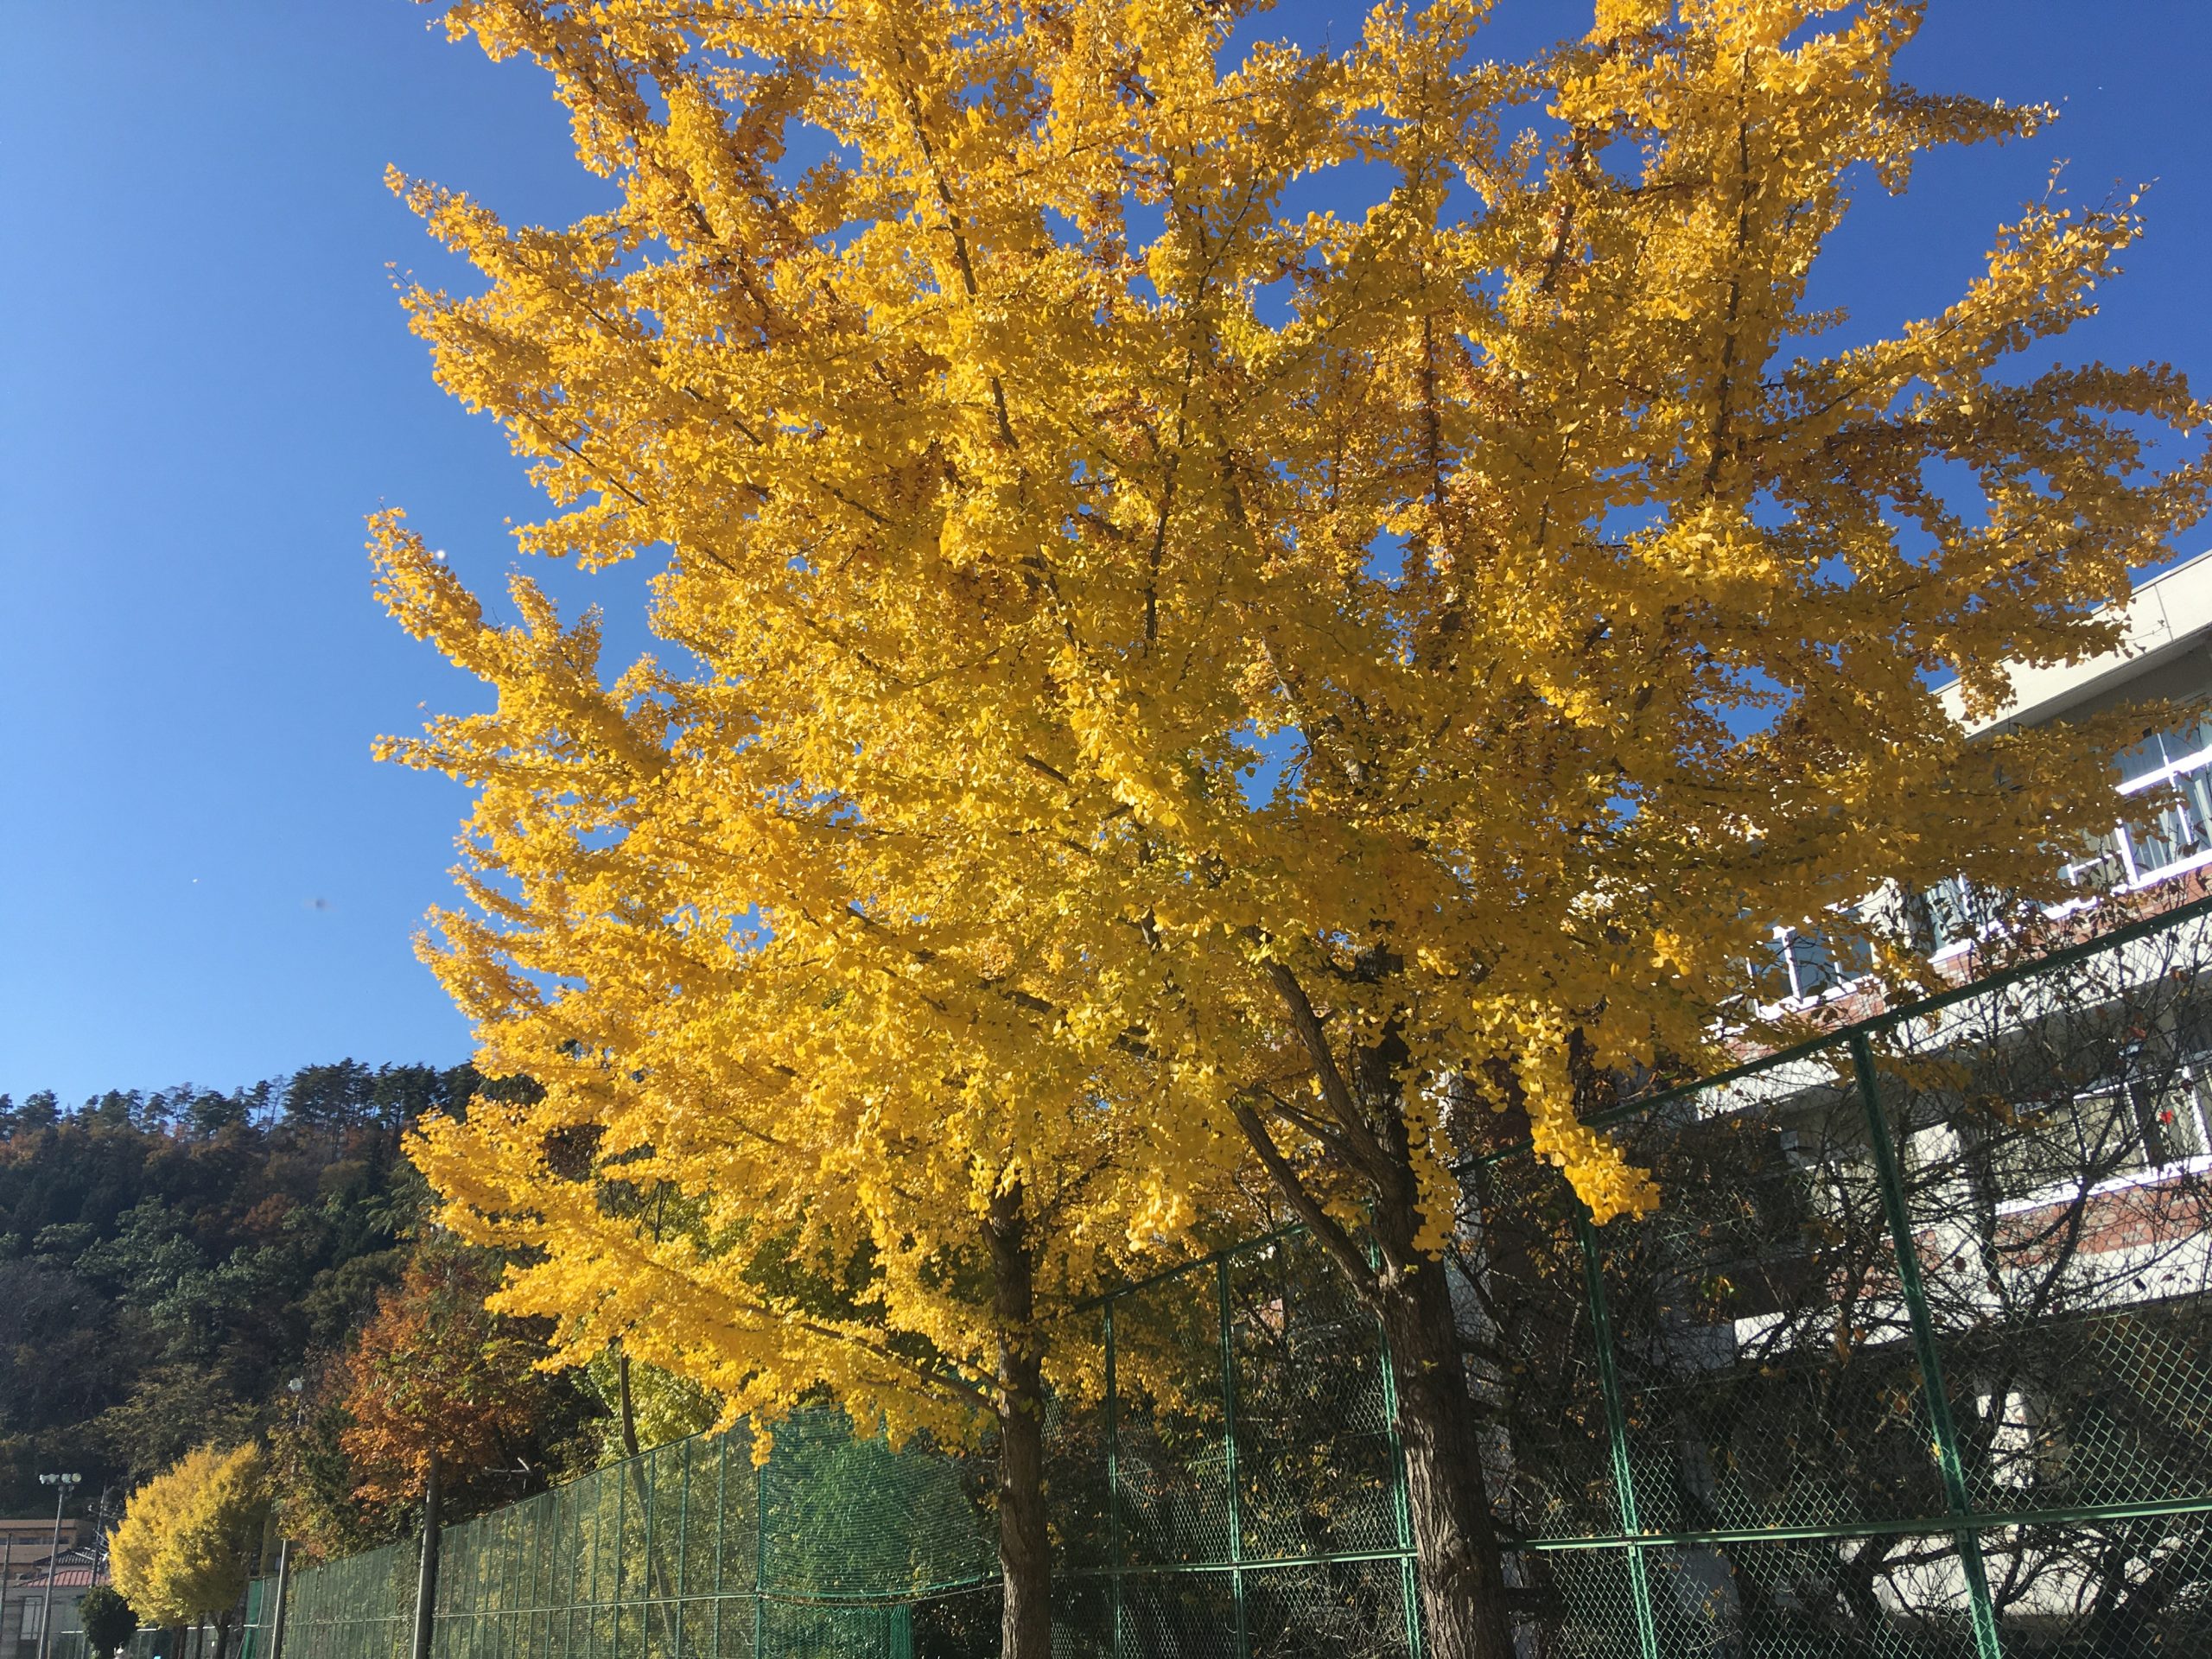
{"x":297,"y":1388}
{"x":283,"y":1586}
{"x":61,"y":1484}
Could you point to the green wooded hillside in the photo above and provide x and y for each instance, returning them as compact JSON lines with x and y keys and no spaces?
{"x":168,"y":1260}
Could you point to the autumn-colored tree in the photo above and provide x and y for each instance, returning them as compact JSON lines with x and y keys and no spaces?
{"x":1040,"y":446}
{"x":437,"y":1388}
{"x":315,"y":1479}
{"x":900,"y":1220}
{"x":187,"y":1540}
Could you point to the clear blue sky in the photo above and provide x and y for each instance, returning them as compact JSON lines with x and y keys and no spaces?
{"x":205,"y":384}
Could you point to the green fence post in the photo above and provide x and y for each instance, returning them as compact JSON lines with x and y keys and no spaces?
{"x":1402,"y":1513}
{"x":759,"y":1559}
{"x":647,"y":1464}
{"x":653,"y":1614}
{"x":621,"y":1549}
{"x":721,"y":1514}
{"x":1892,"y":1181}
{"x":1609,"y":1387}
{"x":683,"y":1542}
{"x":545,"y":1541}
{"x":577,"y":1594}
{"x":1113,"y":1487}
{"x":1229,"y":1457}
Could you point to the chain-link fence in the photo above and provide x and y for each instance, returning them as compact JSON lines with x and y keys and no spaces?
{"x":1916,"y":1360}
{"x":147,"y":1643}
{"x":69,"y":1643}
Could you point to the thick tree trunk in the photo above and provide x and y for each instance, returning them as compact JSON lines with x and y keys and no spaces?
{"x":1455,"y":1544}
{"x":629,"y":1416}
{"x":1025,"y":1549}
{"x":1462,"y":1580}
{"x":657,"y":1577}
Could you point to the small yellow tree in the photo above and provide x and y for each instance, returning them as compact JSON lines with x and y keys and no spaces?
{"x":185,"y":1547}
{"x":1048,"y":444}
{"x":875,"y":1204}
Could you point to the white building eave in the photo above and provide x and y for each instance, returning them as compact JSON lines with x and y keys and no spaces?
{"x":2164,"y":617}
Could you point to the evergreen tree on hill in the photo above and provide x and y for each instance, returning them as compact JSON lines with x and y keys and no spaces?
{"x":168,"y":1259}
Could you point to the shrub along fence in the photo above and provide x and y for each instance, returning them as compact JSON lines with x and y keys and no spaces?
{"x":1916,"y":1360}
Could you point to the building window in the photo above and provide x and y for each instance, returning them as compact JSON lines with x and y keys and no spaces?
{"x":1802,"y":966}
{"x":2122,"y":1129}
{"x":2175,"y":1117}
{"x":2099,"y":865}
{"x":1955,"y":912}
{"x":2166,"y":828}
{"x":2146,"y":760}
{"x":2167,"y":780}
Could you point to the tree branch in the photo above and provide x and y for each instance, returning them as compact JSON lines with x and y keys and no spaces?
{"x":1334,"y":1089}
{"x":1323,"y":1226}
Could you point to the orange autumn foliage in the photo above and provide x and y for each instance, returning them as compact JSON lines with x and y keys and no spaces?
{"x":436,"y":1374}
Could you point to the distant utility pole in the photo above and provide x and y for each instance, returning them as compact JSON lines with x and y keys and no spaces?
{"x":7,"y":1572}
{"x":62,"y":1485}
{"x":426,"y":1589}
{"x":99,"y":1534}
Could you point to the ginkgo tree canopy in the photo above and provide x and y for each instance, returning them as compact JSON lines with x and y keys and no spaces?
{"x":1055,"y":414}
{"x":1032,"y":458}
{"x":188,"y":1539}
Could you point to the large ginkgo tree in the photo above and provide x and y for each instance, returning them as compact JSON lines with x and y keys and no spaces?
{"x":1225,"y":603}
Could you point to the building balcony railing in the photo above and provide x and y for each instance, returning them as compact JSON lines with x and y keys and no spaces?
{"x":2158,"y":855}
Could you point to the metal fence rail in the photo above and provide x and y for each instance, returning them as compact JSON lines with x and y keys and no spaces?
{"x":1916,"y":1360}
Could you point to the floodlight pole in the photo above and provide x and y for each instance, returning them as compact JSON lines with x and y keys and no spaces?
{"x":297,"y":1388}
{"x":61,"y":1484}
{"x":426,"y":1588}
{"x":283,"y":1584}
